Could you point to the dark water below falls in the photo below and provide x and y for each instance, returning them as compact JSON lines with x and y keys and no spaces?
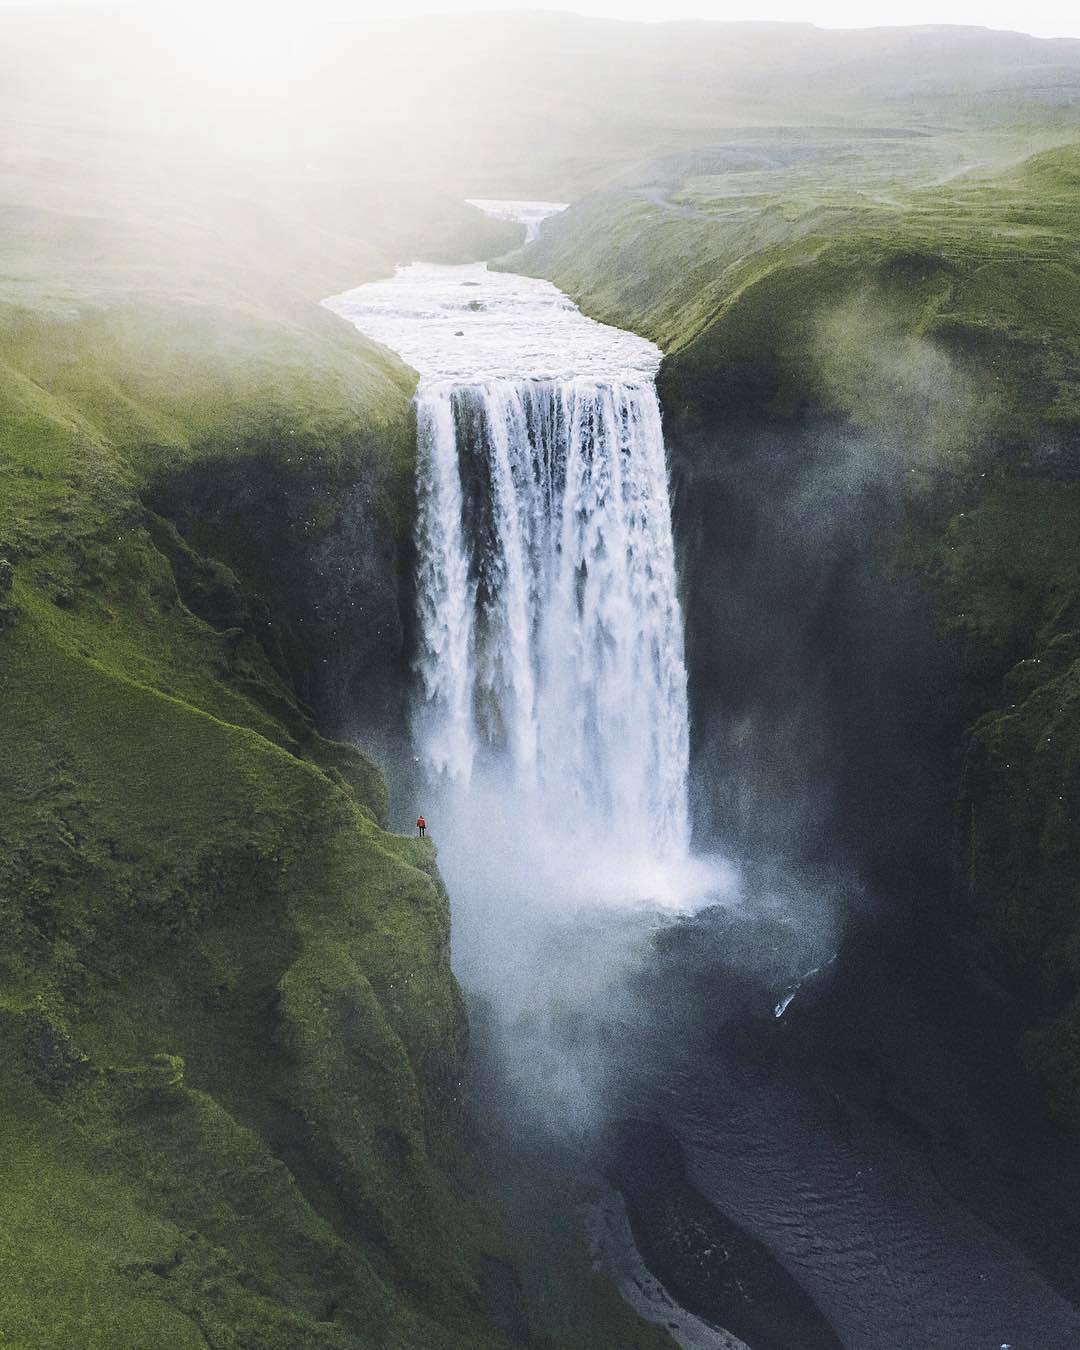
{"x":784,"y":1185}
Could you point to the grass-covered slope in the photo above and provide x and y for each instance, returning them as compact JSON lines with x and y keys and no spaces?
{"x":230,"y":1038}
{"x":908,"y":355}
{"x":231,"y":1041}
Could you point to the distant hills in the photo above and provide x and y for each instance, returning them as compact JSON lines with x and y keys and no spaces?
{"x":486,"y":104}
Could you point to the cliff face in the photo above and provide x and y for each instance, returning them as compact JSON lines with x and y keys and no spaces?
{"x":872,"y":421}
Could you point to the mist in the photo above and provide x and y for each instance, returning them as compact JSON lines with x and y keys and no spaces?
{"x":325,"y":152}
{"x":817,"y":683}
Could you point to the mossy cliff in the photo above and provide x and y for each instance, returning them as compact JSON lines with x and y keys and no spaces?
{"x":231,"y":1040}
{"x":871,"y":404}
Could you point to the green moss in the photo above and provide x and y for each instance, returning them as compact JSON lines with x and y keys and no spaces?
{"x":230,"y":1035}
{"x":216,"y":961}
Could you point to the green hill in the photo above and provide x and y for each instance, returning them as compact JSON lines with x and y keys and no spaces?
{"x":932,"y":330}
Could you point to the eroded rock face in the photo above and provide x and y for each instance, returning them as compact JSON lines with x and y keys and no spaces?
{"x":882,"y":648}
{"x":816,"y":679}
{"x":886,"y":677}
{"x":327,"y":568}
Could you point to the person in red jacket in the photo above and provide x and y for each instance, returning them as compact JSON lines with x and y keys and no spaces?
{"x":421,"y":825}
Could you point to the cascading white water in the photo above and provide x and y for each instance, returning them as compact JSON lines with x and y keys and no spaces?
{"x":551,"y":713}
{"x":554,"y":707}
{"x":550,"y":625}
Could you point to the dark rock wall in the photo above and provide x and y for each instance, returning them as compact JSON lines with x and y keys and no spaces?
{"x":329,"y":565}
{"x":816,"y":683}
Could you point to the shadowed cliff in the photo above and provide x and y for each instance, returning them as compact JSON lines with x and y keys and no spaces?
{"x":872,"y":424}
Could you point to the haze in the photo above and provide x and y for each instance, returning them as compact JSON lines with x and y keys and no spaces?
{"x":1053,"y":18}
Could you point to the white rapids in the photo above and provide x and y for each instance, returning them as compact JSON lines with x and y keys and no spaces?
{"x":550,"y":631}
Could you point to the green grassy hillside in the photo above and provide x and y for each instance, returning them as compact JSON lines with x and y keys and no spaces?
{"x":231,"y":1038}
{"x":932,"y":329}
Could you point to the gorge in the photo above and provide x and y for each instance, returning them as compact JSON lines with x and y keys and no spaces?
{"x":692,"y":542}
{"x":544,"y":544}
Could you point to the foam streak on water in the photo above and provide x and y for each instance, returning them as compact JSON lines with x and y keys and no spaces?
{"x":551,"y":639}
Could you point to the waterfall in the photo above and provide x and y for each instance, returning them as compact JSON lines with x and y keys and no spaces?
{"x":550,"y":634}
{"x":551,"y":717}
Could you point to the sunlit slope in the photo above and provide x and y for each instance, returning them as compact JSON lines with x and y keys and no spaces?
{"x":937,"y":330}
{"x":230,"y":1031}
{"x":230,"y":1035}
{"x":944,"y":317}
{"x":675,"y":249}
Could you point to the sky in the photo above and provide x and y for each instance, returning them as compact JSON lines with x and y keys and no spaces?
{"x":1044,"y":18}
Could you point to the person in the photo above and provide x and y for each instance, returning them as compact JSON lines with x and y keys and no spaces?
{"x":421,"y":825}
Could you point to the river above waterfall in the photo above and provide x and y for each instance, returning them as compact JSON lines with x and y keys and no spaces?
{"x":466,"y":324}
